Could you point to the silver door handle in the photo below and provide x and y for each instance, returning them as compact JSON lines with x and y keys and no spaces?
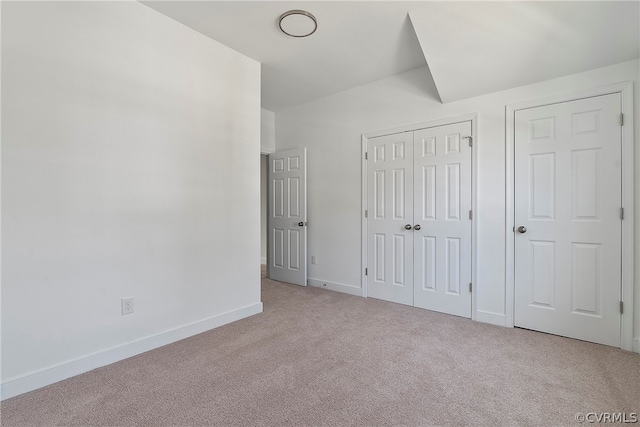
{"x":408,"y":227}
{"x":522,"y":229}
{"x":417,"y":227}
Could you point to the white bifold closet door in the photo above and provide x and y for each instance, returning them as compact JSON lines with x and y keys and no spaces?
{"x":390,"y":218}
{"x":419,"y":226}
{"x":442,"y":203}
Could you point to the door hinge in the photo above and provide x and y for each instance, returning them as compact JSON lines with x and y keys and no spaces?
{"x":366,"y":271}
{"x":366,"y":213}
{"x":470,"y":138}
{"x":621,"y":119}
{"x":366,"y":155}
{"x":621,"y":213}
{"x":621,"y":307}
{"x":470,"y":214}
{"x":470,"y":287}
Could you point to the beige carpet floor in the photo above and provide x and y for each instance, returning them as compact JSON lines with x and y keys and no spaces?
{"x":316,"y":357}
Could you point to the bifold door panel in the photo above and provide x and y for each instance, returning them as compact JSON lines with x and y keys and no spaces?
{"x":390,"y":225}
{"x":442,"y":203}
{"x":287,"y":241}
{"x":568,"y":236}
{"x":419,"y":229}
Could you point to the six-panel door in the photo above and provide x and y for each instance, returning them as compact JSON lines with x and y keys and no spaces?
{"x":287,"y":247}
{"x":390,"y":218}
{"x":442,"y":202}
{"x":567,"y":201}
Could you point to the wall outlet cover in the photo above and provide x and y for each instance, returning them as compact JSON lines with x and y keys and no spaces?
{"x":127,"y":305}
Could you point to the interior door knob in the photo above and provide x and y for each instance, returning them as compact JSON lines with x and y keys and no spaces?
{"x":417,"y":227}
{"x":522,"y":229}
{"x":408,"y":227}
{"x":301,"y":224}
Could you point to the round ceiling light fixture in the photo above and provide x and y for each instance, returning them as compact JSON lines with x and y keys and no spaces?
{"x":298,"y":23}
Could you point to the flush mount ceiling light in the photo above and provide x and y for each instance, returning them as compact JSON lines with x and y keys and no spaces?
{"x":298,"y":23}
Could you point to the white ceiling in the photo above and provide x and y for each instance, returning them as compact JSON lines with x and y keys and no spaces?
{"x":472,"y":48}
{"x":356,"y":43}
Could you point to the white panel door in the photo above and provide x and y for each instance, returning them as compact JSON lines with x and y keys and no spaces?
{"x":287,"y":251}
{"x":567,"y":213}
{"x":442,"y":231}
{"x":390,"y":218}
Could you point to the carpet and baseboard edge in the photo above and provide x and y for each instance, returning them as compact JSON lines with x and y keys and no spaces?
{"x":61,"y":371}
{"x":491,"y":318}
{"x":351,"y":290}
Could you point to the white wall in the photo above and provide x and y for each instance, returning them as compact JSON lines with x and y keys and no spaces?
{"x":267,"y":146}
{"x":129,"y":168}
{"x":267,"y":131}
{"x":331,"y":130}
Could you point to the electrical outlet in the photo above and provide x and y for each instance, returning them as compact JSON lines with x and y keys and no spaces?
{"x":127,"y":305}
{"x":314,"y":259}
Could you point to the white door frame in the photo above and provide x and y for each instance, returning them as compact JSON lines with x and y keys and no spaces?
{"x":474,"y":168}
{"x":626,"y":91}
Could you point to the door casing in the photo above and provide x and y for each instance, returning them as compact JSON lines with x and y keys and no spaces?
{"x":413,"y":127}
{"x":626,"y":91}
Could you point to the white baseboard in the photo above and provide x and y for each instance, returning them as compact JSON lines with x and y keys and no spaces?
{"x":61,"y":371}
{"x":263,"y":261}
{"x":491,"y":318}
{"x":351,"y":290}
{"x":636,"y":345}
